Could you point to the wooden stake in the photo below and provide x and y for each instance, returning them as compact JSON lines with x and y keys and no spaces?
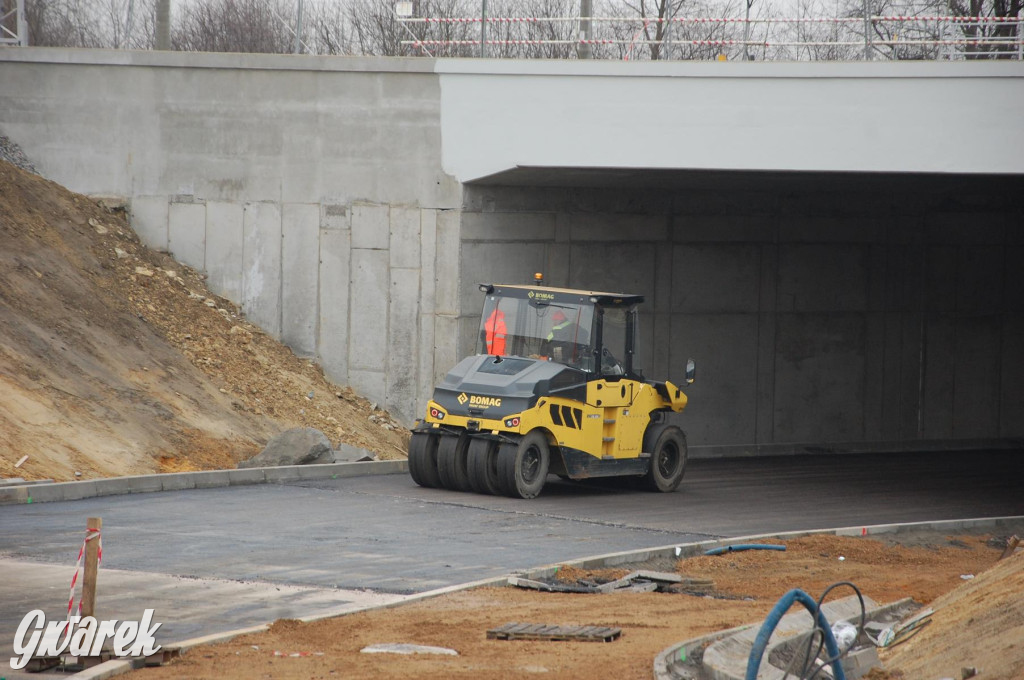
{"x":91,"y":567}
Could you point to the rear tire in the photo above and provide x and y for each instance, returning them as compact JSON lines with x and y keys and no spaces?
{"x":667,"y":445}
{"x":423,"y":459}
{"x":483,"y":466}
{"x":451,"y":462}
{"x":523,"y":467}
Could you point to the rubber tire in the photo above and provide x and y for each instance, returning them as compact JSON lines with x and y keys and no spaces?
{"x":451,"y":462}
{"x":482,"y":463}
{"x":423,"y":459}
{"x":523,"y":467}
{"x":667,"y":445}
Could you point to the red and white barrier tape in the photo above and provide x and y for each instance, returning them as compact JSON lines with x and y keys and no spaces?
{"x":90,"y":534}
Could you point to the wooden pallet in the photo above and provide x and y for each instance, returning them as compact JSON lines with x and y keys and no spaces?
{"x":541,"y":631}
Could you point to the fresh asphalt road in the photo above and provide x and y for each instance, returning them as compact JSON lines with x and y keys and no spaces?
{"x":386,"y":534}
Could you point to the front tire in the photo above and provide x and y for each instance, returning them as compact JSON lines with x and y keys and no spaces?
{"x":423,"y":459}
{"x":451,"y":462}
{"x":667,"y":445}
{"x":523,"y":467}
{"x":483,"y":466}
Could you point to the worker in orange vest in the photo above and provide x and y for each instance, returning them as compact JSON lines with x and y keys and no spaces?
{"x":495,"y":333}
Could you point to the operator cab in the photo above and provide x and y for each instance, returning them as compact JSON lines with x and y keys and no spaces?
{"x":592,"y":332}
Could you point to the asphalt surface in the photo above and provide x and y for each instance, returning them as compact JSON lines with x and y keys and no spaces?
{"x":386,"y":534}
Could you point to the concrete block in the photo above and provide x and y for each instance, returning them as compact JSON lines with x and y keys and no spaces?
{"x":145,"y":483}
{"x":178,"y":481}
{"x":1014,"y":287}
{"x":370,"y":384}
{"x":333,"y":340}
{"x":317,"y":471}
{"x":300,"y":261}
{"x":334,"y":216}
{"x":403,"y":335}
{"x":519,"y":226}
{"x":212,"y":478}
{"x":149,"y":220}
{"x":370,"y":226}
{"x":285,"y":473}
{"x":224,"y":239}
{"x":405,"y":237}
{"x":13,"y":495}
{"x":712,"y":278}
{"x":368,"y":330}
{"x":47,"y":493}
{"x":79,"y":490}
{"x":246,"y":476}
{"x":822,"y":278}
{"x":447,"y":265}
{"x":117,"y":486}
{"x":261,"y":266}
{"x":186,"y":234}
{"x":819,"y":377}
{"x":556,"y":269}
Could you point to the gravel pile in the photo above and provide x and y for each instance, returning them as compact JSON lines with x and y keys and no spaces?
{"x":12,"y":153}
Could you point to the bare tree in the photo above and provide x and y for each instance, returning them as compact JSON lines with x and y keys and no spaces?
{"x":235,"y":26}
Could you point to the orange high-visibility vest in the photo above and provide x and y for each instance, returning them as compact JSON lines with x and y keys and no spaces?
{"x":495,"y":333}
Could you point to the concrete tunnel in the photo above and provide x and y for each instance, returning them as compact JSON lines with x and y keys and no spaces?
{"x":826,"y":311}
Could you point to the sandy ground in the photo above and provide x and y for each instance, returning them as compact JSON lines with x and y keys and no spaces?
{"x":747,"y":585}
{"x":117,"y":360}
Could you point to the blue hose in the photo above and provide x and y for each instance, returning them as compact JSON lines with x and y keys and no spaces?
{"x":768,"y":627}
{"x":744,"y":546}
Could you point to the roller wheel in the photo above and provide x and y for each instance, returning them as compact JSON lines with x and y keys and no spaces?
{"x":523,"y":467}
{"x":451,"y":462}
{"x":423,"y":459}
{"x":483,"y":466}
{"x":667,"y":445}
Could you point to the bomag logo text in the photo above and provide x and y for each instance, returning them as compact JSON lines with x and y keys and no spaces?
{"x":540,"y":296}
{"x":485,"y":402}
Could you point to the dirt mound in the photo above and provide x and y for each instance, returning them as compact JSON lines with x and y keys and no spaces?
{"x":115,"y":359}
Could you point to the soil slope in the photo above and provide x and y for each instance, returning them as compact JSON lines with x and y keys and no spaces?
{"x":116,"y":360}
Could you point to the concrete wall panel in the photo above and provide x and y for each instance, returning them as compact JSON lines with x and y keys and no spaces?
{"x":149,"y":220}
{"x":186,"y":233}
{"x":224,"y":241}
{"x":822,"y":278}
{"x":368,"y":305}
{"x":615,"y":268}
{"x":261,"y":266}
{"x":332,"y":322}
{"x":715,"y":278}
{"x":402,"y":341}
{"x":819,"y":378}
{"x":371,"y":226}
{"x":405,"y":237}
{"x":495,"y":263}
{"x":938,"y":364}
{"x":449,"y":275}
{"x":300,"y":265}
{"x":723,"y":398}
{"x":1011,"y":380}
{"x":977,"y":382}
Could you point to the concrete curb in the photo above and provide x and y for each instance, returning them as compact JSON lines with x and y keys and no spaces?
{"x":207,"y":479}
{"x":117,"y":667}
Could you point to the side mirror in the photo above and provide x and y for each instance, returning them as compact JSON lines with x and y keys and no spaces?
{"x":691,"y":371}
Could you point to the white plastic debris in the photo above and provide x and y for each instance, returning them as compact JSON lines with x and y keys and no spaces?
{"x":845,"y":634}
{"x":406,"y":648}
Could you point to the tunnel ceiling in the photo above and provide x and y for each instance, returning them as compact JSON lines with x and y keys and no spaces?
{"x":746,"y":180}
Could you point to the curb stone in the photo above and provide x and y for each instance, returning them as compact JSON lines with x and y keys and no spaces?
{"x":206,"y":479}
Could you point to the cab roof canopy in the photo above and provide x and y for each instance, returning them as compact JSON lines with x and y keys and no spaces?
{"x":549,"y":294}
